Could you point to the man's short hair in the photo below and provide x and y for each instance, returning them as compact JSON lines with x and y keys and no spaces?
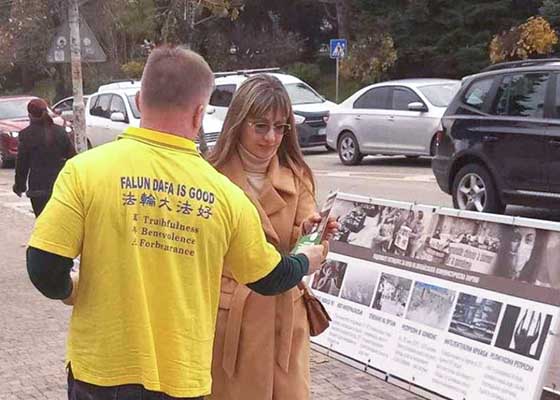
{"x":175,"y":77}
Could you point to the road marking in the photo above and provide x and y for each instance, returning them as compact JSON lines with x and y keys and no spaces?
{"x":326,"y":155}
{"x":375,"y":176}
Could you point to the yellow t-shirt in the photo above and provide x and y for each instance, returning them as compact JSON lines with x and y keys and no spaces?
{"x":154,"y":224}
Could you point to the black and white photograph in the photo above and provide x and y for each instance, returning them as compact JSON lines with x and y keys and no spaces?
{"x":475,"y":318}
{"x":524,"y":331}
{"x":353,"y":219}
{"x":392,"y":294}
{"x":329,"y":278}
{"x":431,"y":305}
{"x":548,"y":273}
{"x":382,"y":228}
{"x":359,"y":283}
{"x":529,"y":255}
{"x":461,"y":243}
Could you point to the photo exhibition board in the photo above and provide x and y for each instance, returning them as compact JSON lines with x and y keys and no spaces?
{"x":459,"y":304}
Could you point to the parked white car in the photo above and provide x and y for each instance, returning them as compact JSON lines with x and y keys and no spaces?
{"x":311,"y":110}
{"x":64,"y":107}
{"x":113,"y":108}
{"x":390,"y":118}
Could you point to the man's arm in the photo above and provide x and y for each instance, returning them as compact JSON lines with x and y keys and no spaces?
{"x":50,"y":274}
{"x":252,"y":260}
{"x":286,"y":275}
{"x":57,"y":238}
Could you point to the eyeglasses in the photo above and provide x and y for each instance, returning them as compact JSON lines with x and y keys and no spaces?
{"x":262,"y":128}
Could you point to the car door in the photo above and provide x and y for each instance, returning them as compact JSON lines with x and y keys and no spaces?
{"x":115,"y":128}
{"x":410,"y":130}
{"x":64,"y":106}
{"x":221,"y":99}
{"x":512,"y":136}
{"x":553,"y":137}
{"x":371,"y":119}
{"x":97,"y":121}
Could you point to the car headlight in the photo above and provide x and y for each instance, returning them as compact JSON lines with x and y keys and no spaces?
{"x":299,"y":119}
{"x":14,"y":134}
{"x":68,"y":129}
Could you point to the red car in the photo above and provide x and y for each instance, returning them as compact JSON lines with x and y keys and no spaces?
{"x":13,"y":118}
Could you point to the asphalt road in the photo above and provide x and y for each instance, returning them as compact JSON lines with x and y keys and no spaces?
{"x":392,"y":178}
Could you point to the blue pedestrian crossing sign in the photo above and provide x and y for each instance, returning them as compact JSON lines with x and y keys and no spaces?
{"x":338,"y":48}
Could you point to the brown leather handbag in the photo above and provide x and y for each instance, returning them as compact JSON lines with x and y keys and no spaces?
{"x":317,"y":316}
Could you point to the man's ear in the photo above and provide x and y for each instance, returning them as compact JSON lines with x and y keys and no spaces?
{"x":198,"y":117}
{"x":137,"y":101}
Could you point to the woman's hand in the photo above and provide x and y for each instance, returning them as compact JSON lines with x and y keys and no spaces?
{"x":330,"y":230}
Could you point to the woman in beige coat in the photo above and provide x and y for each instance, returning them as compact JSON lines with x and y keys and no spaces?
{"x":261,"y":349}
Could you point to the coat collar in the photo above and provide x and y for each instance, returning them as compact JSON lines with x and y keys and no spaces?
{"x":280,"y":183}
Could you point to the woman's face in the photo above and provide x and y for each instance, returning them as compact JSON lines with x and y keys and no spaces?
{"x":262,"y":136}
{"x":525,"y":247}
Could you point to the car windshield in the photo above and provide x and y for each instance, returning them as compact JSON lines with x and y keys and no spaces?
{"x":440,"y":95}
{"x":13,"y":109}
{"x":132,"y":102}
{"x":300,"y":93}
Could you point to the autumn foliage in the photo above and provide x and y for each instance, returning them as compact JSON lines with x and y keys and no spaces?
{"x":369,"y":57}
{"x":534,"y":37}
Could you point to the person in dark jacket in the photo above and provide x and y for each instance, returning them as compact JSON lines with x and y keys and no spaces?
{"x":43,"y":149}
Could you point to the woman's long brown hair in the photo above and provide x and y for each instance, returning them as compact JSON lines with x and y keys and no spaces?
{"x":255,"y":98}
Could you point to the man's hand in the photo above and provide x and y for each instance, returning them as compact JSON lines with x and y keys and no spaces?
{"x":331,"y":228}
{"x":75,"y":276}
{"x":316,"y":255}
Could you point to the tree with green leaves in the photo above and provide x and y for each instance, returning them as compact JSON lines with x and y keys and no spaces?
{"x":24,"y":40}
{"x":442,"y":38}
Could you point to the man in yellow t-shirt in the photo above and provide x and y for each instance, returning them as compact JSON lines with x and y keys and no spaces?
{"x":154,"y":223}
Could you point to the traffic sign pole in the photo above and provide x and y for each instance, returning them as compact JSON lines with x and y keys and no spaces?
{"x":79,"y":119}
{"x":337,"y":74}
{"x":338,"y":51}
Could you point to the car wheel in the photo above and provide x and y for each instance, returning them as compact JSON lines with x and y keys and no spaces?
{"x":475,"y":190}
{"x":433,"y":148}
{"x":349,"y":149}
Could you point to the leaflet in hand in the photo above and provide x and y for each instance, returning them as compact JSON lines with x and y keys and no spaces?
{"x":319,"y":231}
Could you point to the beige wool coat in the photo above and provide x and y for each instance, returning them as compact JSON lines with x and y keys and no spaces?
{"x":261,"y":347}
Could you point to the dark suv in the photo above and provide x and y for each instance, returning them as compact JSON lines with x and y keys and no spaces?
{"x":500,"y":138}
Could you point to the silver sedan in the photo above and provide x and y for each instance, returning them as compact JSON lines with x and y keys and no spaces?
{"x":390,"y":118}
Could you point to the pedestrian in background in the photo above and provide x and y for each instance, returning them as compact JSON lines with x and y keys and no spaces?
{"x":154,"y":224}
{"x":43,"y":150}
{"x":262,"y":347}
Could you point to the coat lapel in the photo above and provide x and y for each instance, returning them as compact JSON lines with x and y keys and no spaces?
{"x":270,"y":201}
{"x":280,"y":183}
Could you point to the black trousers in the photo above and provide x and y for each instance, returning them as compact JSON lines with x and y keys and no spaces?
{"x":78,"y":390}
{"x":38,"y":204}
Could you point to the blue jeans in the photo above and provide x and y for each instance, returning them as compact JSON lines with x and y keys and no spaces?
{"x":78,"y":390}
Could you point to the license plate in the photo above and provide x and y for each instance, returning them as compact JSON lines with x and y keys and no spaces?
{"x":322,"y":131}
